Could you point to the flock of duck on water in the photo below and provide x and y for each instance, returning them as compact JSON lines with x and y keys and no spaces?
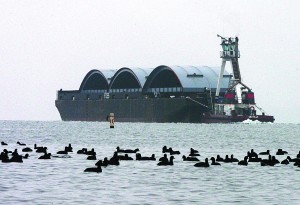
{"x":123,"y":154}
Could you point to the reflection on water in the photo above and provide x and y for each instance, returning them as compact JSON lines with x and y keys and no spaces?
{"x":62,"y":180}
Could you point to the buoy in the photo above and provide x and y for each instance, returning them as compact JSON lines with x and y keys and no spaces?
{"x":112,"y":120}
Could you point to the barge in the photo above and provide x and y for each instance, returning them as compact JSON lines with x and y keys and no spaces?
{"x":190,"y":94}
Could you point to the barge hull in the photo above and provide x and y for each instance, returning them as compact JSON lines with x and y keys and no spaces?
{"x":146,"y":110}
{"x":132,"y":110}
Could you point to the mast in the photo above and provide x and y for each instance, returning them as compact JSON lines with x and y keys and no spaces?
{"x":230,"y":53}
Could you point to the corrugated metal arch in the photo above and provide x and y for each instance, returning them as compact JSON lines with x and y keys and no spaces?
{"x":191,"y":77}
{"x":153,"y":75}
{"x":211,"y":75}
{"x":95,"y":80}
{"x":137,"y":76}
{"x":108,"y":74}
{"x":142,"y":74}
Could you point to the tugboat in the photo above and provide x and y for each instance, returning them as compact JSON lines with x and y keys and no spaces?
{"x":238,"y":102}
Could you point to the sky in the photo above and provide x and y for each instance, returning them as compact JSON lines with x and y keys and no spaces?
{"x":48,"y":45}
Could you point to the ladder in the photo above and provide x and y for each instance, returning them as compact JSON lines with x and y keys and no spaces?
{"x":236,"y":69}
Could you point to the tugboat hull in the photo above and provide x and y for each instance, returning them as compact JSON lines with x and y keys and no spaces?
{"x":231,"y":119}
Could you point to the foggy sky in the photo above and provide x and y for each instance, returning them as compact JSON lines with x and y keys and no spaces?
{"x":48,"y":45}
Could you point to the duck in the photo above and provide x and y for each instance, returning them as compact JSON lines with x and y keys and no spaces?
{"x":127,"y":150}
{"x":15,"y":153}
{"x":213,"y":161}
{"x":233,"y":159}
{"x":254,"y":159}
{"x":292,"y":160}
{"x":286,"y":161}
{"x":139,"y":157}
{"x":6,"y":160}
{"x":105,"y":162}
{"x":5,"y":152}
{"x":267,"y":162}
{"x":244,"y":162}
{"x":62,"y":152}
{"x":165,"y":149}
{"x":36,"y":147}
{"x":125,"y":157}
{"x":253,"y":154}
{"x":4,"y":157}
{"x":164,"y":163}
{"x":99,"y":163}
{"x":275,"y":160}
{"x":164,"y":158}
{"x":41,"y":149}
{"x":189,"y":158}
{"x":114,"y":160}
{"x":69,"y":148}
{"x":172,"y":152}
{"x":25,"y":156}
{"x":265,"y":153}
{"x":297,"y":163}
{"x":21,"y":144}
{"x":202,"y":164}
{"x":97,"y":169}
{"x":194,"y":153}
{"x":27,"y":149}
{"x":227,"y":159}
{"x":264,"y":162}
{"x":82,"y":151}
{"x":16,"y":157}
{"x":281,"y":152}
{"x":219,"y":159}
{"x":91,"y":157}
{"x":45,"y":156}
{"x":3,"y":143}
{"x":91,"y":152}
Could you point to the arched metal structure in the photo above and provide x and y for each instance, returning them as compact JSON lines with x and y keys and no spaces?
{"x":128,"y":78}
{"x":162,"y":76}
{"x":97,"y":80}
{"x":211,"y":75}
{"x":186,"y":79}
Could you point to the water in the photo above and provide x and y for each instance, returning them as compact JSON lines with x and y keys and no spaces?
{"x":62,"y":180}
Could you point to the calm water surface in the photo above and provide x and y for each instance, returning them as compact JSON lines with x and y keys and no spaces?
{"x":62,"y":180}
